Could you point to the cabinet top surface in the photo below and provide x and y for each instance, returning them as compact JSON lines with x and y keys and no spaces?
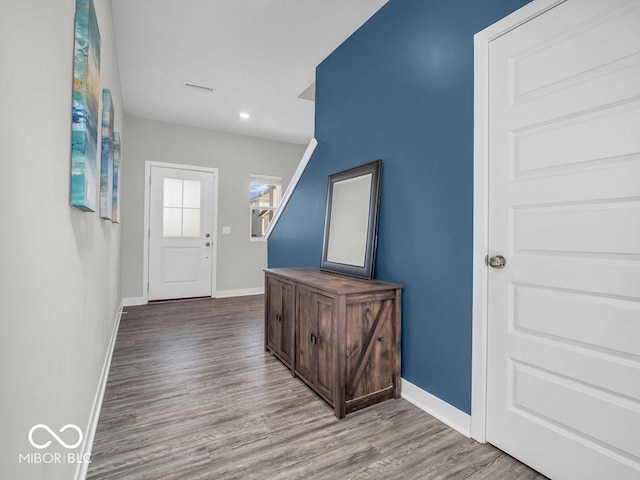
{"x":332,"y":282}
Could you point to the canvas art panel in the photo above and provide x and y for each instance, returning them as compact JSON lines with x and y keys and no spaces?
{"x":115,"y":212}
{"x":86,"y":106}
{"x":106,"y":157}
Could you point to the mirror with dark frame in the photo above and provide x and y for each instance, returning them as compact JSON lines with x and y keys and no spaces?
{"x":351,"y":221}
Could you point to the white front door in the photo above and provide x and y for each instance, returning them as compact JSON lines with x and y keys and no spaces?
{"x":563,"y":377}
{"x":181,"y":235}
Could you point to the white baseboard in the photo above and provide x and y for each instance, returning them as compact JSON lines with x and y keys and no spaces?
{"x":446,"y":413}
{"x":90,"y":431}
{"x":133,"y":301}
{"x":239,"y":293}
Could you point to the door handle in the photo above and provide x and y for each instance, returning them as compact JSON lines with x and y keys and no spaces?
{"x":208,"y":244}
{"x":497,"y":261}
{"x":313,"y":339}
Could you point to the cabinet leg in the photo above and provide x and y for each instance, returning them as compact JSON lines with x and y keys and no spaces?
{"x":397,"y":389}
{"x":341,"y":406}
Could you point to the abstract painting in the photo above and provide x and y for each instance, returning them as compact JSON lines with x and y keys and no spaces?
{"x":115,"y":214}
{"x":106,"y":157}
{"x":86,"y":107}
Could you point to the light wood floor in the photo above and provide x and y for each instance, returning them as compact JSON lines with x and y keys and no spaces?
{"x":192,"y":395}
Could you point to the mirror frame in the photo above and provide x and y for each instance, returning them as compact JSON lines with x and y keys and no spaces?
{"x":375,"y":169}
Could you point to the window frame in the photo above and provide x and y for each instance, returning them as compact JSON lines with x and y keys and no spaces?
{"x":255,"y":178}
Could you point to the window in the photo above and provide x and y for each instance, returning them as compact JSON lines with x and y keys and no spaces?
{"x":264,"y":197}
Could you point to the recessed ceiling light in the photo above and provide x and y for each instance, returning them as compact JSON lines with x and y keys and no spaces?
{"x":245,"y":115}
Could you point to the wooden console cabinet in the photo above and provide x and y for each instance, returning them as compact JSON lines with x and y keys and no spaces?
{"x":338,"y":334}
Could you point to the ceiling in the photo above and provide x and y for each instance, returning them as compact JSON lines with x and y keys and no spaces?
{"x":259,"y":56}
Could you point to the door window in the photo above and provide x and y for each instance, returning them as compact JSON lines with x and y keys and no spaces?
{"x":181,"y":208}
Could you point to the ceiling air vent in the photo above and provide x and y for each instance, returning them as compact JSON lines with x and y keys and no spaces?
{"x":203,"y":88}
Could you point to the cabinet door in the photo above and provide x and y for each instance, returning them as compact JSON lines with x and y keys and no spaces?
{"x":286,"y":322}
{"x":325,"y":371}
{"x":369,"y":330}
{"x":274,"y":301}
{"x":305,"y":351}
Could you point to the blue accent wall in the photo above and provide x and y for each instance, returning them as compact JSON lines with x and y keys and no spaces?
{"x":401,"y":89}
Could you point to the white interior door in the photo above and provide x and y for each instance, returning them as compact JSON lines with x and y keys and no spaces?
{"x":181,"y":235}
{"x":563,"y":377}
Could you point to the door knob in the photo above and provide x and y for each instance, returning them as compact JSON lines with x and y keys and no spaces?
{"x":208,"y":244}
{"x":207,"y":235}
{"x":497,"y":261}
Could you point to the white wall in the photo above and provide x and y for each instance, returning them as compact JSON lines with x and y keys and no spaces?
{"x":60,"y":267}
{"x":240,"y":261}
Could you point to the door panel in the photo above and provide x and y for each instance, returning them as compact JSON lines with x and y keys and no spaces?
{"x":584,"y":318}
{"x":181,"y":218}
{"x":378,"y":360}
{"x":557,"y":408}
{"x":286,"y":325}
{"x":273,"y":326}
{"x":305,"y":360}
{"x":571,"y":143}
{"x":594,"y":228}
{"x":180,"y":265}
{"x":325,"y":367}
{"x":564,"y":182}
{"x":358,"y":333}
